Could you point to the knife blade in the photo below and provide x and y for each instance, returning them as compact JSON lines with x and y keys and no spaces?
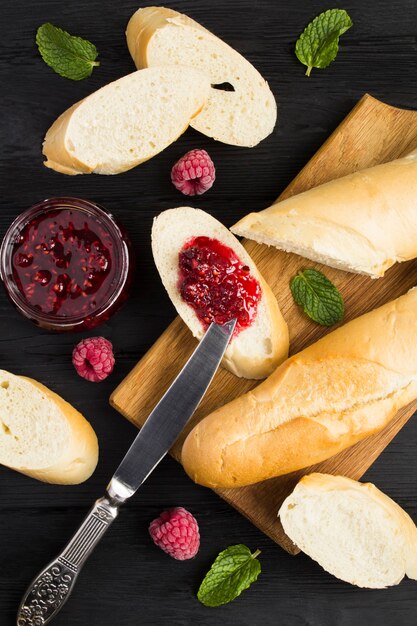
{"x":52,"y":587}
{"x":173,"y":411}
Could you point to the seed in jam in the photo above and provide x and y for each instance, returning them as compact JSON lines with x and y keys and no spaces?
{"x":62,"y":263}
{"x":42,"y":276}
{"x":216,"y":284}
{"x":23,"y":260}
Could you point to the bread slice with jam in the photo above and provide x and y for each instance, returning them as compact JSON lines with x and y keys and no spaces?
{"x":209,"y":277}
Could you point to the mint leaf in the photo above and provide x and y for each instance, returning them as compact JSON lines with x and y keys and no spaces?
{"x":71,"y":57}
{"x":233,"y":571}
{"x":318,"y":44}
{"x":319,"y":298}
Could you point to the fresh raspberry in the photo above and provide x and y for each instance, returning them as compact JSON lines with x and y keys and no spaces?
{"x":194,"y":173}
{"x":93,"y":358}
{"x":176,"y":532}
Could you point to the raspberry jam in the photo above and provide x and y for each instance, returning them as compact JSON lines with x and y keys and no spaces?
{"x":65,"y":263}
{"x":216,"y":284}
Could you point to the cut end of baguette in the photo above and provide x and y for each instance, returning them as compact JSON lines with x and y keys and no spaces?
{"x":362,"y":223}
{"x":353,"y":530}
{"x":318,"y":241}
{"x":43,"y":436}
{"x":255,"y":351}
{"x":243,"y":116}
{"x":126,"y":122}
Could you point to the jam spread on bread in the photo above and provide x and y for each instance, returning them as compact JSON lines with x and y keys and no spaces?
{"x":62,"y":263}
{"x":217,"y":284}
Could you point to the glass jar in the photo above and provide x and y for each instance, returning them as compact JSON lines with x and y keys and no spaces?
{"x":66,"y":264}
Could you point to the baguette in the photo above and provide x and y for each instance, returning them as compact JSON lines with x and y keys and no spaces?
{"x":242,"y":117}
{"x":43,"y":436}
{"x":346,"y":386}
{"x":126,"y":122}
{"x":362,"y":223}
{"x":257,"y":349}
{"x":353,"y":530}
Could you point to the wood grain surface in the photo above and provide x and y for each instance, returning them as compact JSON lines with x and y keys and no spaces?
{"x":372,"y":133}
{"x":128,"y":581}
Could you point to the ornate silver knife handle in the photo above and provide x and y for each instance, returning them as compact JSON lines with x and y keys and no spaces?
{"x":49,"y":591}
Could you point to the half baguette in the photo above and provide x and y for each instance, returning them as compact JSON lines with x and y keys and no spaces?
{"x":352,"y":529}
{"x":363,"y":223}
{"x":243,"y":116}
{"x":257,"y":350}
{"x":341,"y":389}
{"x":126,"y":122}
{"x":43,"y":436}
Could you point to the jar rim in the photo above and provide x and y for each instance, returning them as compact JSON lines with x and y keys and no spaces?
{"x":122,"y":249}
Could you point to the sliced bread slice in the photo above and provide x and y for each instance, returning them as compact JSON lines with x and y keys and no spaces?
{"x":126,"y":122}
{"x":43,"y":436}
{"x":352,"y":530}
{"x":241,"y":109}
{"x":257,"y":349}
{"x":363,"y":223}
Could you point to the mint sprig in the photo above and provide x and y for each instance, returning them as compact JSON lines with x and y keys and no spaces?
{"x":233,"y":571}
{"x":69,"y":56}
{"x":318,"y":297}
{"x":318,"y":44}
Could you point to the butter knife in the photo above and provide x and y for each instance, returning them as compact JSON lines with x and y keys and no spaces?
{"x":51,"y":588}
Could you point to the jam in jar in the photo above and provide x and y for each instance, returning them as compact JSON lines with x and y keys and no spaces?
{"x":66,"y":264}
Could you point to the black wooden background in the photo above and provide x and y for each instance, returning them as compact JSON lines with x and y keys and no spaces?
{"x":128,"y":581}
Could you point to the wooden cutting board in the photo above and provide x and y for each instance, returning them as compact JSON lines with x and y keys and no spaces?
{"x":372,"y":133}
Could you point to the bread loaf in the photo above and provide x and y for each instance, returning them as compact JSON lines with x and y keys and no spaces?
{"x":241,"y":109}
{"x":344,"y":387}
{"x":363,"y":223}
{"x":352,"y":530}
{"x":126,"y":122}
{"x":43,"y":436}
{"x":257,"y":350}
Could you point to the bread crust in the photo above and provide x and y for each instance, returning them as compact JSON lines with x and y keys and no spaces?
{"x":346,"y":386}
{"x":145,"y":22}
{"x":81,"y":455}
{"x":58,"y":158}
{"x":364,"y":222}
